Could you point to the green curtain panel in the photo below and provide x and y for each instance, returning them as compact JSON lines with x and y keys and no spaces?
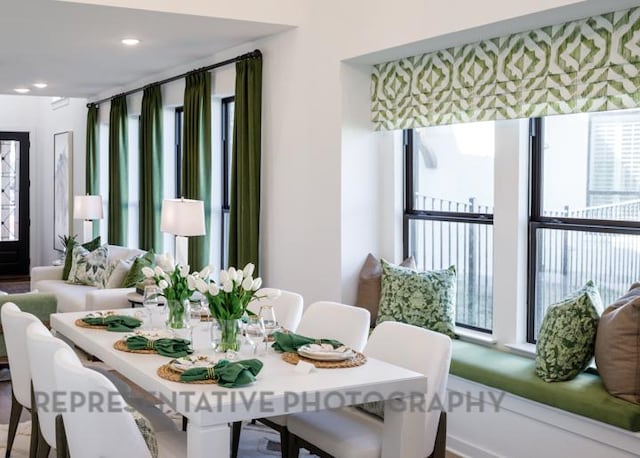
{"x":118,"y":172}
{"x":151,"y":158}
{"x":92,"y":169}
{"x":244,"y":218}
{"x":196,"y":159}
{"x":586,"y":65}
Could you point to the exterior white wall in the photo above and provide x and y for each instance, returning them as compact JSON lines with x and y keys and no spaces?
{"x":37,"y":116}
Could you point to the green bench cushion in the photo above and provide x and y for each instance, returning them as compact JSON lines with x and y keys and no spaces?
{"x":41,"y":305}
{"x":584,"y":395}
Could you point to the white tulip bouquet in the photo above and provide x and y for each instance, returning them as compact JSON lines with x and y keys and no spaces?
{"x":229,"y":298}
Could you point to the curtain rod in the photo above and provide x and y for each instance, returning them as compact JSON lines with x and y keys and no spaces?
{"x":250,"y":55}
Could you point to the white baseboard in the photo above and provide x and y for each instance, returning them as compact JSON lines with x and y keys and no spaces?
{"x":522,"y":428}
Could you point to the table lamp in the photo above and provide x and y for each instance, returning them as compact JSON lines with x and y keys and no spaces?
{"x":87,"y":208}
{"x":183,"y":218}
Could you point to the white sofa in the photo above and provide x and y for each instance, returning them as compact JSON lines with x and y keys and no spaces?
{"x":77,"y":298}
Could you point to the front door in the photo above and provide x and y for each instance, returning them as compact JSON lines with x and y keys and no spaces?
{"x":14,"y":203}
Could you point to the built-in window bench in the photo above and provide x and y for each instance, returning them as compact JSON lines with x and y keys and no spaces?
{"x":504,"y":409}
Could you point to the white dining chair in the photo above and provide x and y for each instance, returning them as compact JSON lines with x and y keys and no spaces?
{"x":41,"y":348}
{"x":14,"y":327}
{"x":349,"y":432}
{"x":104,"y":427}
{"x":287,"y":306}
{"x":325,"y":320}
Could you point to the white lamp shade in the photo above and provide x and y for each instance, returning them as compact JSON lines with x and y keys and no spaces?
{"x":183,"y":217}
{"x":87,"y":207}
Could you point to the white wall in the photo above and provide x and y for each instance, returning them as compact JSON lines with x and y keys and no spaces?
{"x":37,"y":116}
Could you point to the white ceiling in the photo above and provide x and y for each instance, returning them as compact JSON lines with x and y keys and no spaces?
{"x":76,"y":48}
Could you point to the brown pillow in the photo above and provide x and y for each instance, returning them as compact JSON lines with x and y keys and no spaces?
{"x":618,"y":346}
{"x":369,"y":284}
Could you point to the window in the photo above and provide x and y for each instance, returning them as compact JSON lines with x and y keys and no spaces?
{"x":449,"y":211}
{"x":585,"y":204}
{"x":228,"y":106}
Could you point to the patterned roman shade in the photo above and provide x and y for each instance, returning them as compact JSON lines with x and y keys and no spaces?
{"x":588,"y":65}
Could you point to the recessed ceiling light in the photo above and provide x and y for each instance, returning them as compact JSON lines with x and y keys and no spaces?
{"x":21,"y":90}
{"x":40,"y":85}
{"x":130,"y":41}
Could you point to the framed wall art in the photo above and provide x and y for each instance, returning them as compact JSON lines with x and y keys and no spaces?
{"x":62,"y":186}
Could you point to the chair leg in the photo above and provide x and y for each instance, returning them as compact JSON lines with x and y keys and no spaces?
{"x":185,"y":421}
{"x":35,"y":427}
{"x":285,"y":438}
{"x":62,"y":446}
{"x":14,"y":418}
{"x":440,"y":446}
{"x":43,"y":448}
{"x":236,"y":429}
{"x":293,"y":447}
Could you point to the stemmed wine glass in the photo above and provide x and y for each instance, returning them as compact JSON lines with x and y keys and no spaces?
{"x":150,"y":301}
{"x":268,"y":316}
{"x":255,"y":332}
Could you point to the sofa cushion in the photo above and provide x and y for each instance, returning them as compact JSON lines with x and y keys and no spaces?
{"x":135,"y":275}
{"x":567,"y":337}
{"x":88,"y":267}
{"x":116,"y":273}
{"x":425,"y":299}
{"x":369,"y":283}
{"x":117,"y":252}
{"x":71,"y":298}
{"x":618,"y":346}
{"x":91,"y":245}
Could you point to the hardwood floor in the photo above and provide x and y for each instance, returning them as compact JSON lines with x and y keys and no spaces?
{"x":5,"y":404}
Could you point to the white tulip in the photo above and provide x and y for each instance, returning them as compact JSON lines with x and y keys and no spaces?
{"x":158,"y":271}
{"x":224,"y":276}
{"x":248,"y":270}
{"x":213,"y":289}
{"x":204,"y":273}
{"x":257,"y":283}
{"x":201,"y":285}
{"x":191,"y":283}
{"x":247,"y":284}
{"x":148,"y":272}
{"x":163,"y":284}
{"x":184,"y":271}
{"x":239,"y":276}
{"x":227,"y":286}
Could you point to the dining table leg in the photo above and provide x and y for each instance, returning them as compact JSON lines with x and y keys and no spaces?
{"x":208,"y":441}
{"x":404,"y":428}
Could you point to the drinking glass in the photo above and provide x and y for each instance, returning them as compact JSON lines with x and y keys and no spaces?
{"x":150,"y":301}
{"x":255,"y":333}
{"x":268,"y":316}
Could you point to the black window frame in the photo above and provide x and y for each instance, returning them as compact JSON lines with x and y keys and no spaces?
{"x":411,"y":213}
{"x":226,"y":143}
{"x":537,"y":221}
{"x":179,"y":116}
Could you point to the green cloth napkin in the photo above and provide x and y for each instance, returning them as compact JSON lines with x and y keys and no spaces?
{"x":290,"y":342}
{"x":227,"y":374}
{"x":173,"y":348}
{"x":115,"y":323}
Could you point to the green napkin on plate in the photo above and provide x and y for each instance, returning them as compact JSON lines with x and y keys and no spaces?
{"x":173,"y":348}
{"x":226,"y":373}
{"x":115,"y":323}
{"x":290,"y":342}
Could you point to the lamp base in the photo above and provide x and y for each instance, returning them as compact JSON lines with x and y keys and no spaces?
{"x":182,"y":250}
{"x":87,"y":230}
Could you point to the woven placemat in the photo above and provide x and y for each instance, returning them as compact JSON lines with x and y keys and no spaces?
{"x":82,"y":324}
{"x":168,"y":373}
{"x":122,"y":346}
{"x":358,"y":360}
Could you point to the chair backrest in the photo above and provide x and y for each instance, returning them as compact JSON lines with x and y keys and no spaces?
{"x":348,"y":324}
{"x":14,"y":327}
{"x":41,"y":347}
{"x":287,"y":307}
{"x":419,"y":350}
{"x":97,"y":422}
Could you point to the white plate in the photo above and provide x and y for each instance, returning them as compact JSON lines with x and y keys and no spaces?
{"x":326,"y":352}
{"x":191,"y":361}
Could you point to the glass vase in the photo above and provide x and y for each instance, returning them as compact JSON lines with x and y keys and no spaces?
{"x":178,"y":317}
{"x":226,"y":335}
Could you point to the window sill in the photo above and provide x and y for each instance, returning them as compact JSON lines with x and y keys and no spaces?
{"x":470,"y":335}
{"x":523,"y":349}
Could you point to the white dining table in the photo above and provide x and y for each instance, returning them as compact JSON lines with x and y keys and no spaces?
{"x":280,"y":388}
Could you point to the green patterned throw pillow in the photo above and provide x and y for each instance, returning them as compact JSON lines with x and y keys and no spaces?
{"x":88,"y":267}
{"x":91,"y":245}
{"x":135,"y":275}
{"x":425,"y":299}
{"x":567,"y":337}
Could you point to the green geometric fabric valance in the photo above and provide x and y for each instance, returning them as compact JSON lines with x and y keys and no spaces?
{"x":591,"y":64}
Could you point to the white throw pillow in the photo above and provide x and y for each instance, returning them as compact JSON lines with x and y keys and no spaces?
{"x":88,"y":268}
{"x":116,"y":273}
